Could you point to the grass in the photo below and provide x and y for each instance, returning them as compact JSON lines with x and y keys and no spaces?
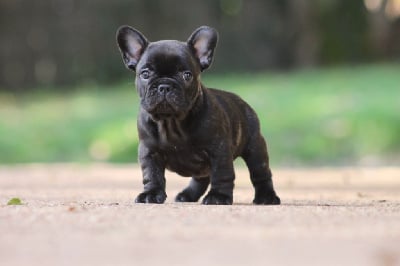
{"x":341,"y":115}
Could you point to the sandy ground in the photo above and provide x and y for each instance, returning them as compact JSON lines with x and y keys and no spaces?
{"x":85,"y":215}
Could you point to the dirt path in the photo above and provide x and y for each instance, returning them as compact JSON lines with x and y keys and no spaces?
{"x":85,"y":215}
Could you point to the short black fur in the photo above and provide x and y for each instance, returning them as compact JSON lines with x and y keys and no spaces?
{"x":188,"y":128}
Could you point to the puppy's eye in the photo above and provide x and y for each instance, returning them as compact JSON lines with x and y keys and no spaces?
{"x":145,"y":74}
{"x":187,"y":75}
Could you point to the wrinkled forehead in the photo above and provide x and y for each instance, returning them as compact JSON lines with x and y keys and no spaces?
{"x":167,"y":57}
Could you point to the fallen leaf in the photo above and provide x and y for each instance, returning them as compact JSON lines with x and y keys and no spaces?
{"x":14,"y":201}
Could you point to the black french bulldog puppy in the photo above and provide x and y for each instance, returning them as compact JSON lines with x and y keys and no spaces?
{"x":188,"y":128}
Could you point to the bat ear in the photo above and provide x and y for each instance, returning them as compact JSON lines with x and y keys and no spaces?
{"x":132,"y":45}
{"x":202,"y":43}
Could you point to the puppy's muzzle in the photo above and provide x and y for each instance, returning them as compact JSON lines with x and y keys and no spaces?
{"x":163,"y":89}
{"x":161,"y":99}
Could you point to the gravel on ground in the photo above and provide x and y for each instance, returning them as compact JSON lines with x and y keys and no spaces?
{"x":76,"y":214}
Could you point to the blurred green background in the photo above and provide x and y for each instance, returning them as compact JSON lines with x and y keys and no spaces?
{"x":323,"y":76}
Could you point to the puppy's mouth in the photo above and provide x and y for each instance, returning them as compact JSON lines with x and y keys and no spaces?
{"x":165,"y":99}
{"x":163,"y":110}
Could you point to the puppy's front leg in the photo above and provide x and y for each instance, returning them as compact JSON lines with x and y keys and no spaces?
{"x":153,"y":169}
{"x":222,"y":176}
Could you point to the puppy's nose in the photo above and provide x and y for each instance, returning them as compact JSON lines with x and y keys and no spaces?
{"x":163,"y":88}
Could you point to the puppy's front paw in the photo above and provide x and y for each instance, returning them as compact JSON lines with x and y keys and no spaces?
{"x":185,"y":196}
{"x":156,"y":196}
{"x":267,"y":199}
{"x":215,"y":198}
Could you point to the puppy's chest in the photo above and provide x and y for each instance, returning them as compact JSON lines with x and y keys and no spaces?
{"x":181,"y":153}
{"x":171,"y":133}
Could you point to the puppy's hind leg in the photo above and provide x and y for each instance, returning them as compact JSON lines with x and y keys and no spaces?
{"x":256,"y":157}
{"x":196,"y":188}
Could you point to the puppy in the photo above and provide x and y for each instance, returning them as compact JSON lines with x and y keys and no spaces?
{"x":188,"y":128}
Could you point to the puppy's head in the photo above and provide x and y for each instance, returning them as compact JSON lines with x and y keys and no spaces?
{"x":167,"y":72}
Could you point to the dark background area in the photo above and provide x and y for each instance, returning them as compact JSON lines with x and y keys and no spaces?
{"x":67,"y":42}
{"x":322,"y":75}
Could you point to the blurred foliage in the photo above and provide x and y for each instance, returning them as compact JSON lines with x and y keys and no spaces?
{"x":67,"y":42}
{"x":340,"y":115}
